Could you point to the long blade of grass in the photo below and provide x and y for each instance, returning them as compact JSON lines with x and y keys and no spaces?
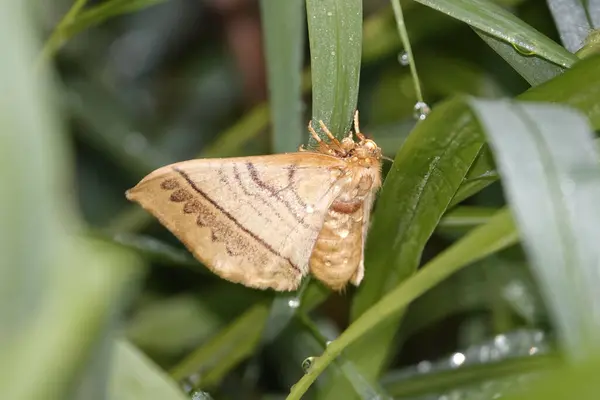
{"x":570,"y":17}
{"x":283,"y":35}
{"x":534,"y":70}
{"x":134,"y":376}
{"x":50,"y":307}
{"x":211,"y":361}
{"x":552,"y":181}
{"x":496,"y":21}
{"x":335,"y":35}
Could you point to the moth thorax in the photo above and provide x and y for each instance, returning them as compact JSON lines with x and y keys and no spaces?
{"x":348,"y":144}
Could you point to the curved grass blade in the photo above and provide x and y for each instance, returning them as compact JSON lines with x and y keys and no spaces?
{"x":552,"y":181}
{"x":497,"y":22}
{"x":570,"y":17}
{"x":283,"y":35}
{"x":450,"y":380}
{"x":345,"y":380}
{"x":135,"y":376}
{"x":335,"y":35}
{"x":50,"y":308}
{"x":211,"y":361}
{"x":567,"y":382}
{"x":535,"y":70}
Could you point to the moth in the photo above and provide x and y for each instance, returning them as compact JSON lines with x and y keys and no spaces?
{"x":267,"y":221}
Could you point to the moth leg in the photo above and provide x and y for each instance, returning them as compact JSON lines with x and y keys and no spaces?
{"x":313,"y":133}
{"x":357,"y":127}
{"x":333,"y":139}
{"x":328,"y":133}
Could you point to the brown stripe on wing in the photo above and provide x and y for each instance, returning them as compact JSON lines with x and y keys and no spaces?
{"x":275,"y":193}
{"x":231,"y":217}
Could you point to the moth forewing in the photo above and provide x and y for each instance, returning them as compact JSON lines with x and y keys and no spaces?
{"x":251,"y":220}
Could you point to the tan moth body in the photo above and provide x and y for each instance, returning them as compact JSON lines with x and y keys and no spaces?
{"x":266,"y":221}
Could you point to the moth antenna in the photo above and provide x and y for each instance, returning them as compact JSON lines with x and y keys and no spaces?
{"x":357,"y":127}
{"x":313,"y":133}
{"x":387,"y":158}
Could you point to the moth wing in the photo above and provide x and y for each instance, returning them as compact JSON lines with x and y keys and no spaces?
{"x":251,"y":220}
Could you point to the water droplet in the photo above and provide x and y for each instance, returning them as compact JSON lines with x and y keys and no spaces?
{"x":329,"y":13}
{"x":501,"y":343}
{"x":457,"y":359}
{"x":421,"y":110}
{"x":523,"y":50}
{"x":424,"y":367}
{"x":200,"y":395}
{"x":307,"y":363}
{"x":403,"y":58}
{"x":343,"y":233}
{"x":294,"y":302}
{"x":327,"y":343}
{"x":310,"y":209}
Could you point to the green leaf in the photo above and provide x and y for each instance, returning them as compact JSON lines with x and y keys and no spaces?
{"x":535,"y":70}
{"x":466,"y":217}
{"x":497,"y":22}
{"x":134,"y":376}
{"x":572,"y":22}
{"x":427,"y":172}
{"x":59,"y":293}
{"x":335,"y":35}
{"x":215,"y":358}
{"x":552,"y":181}
{"x":449,"y":380}
{"x":568,"y":382}
{"x":283,"y":34}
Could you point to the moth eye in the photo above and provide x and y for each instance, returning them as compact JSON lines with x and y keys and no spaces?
{"x":369,"y":144}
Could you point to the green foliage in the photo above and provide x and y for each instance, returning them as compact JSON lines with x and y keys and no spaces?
{"x":507,"y":186}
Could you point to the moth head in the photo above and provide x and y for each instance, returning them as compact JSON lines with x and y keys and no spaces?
{"x":368,"y":151}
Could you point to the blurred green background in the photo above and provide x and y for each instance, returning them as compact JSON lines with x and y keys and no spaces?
{"x":100,"y":301}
